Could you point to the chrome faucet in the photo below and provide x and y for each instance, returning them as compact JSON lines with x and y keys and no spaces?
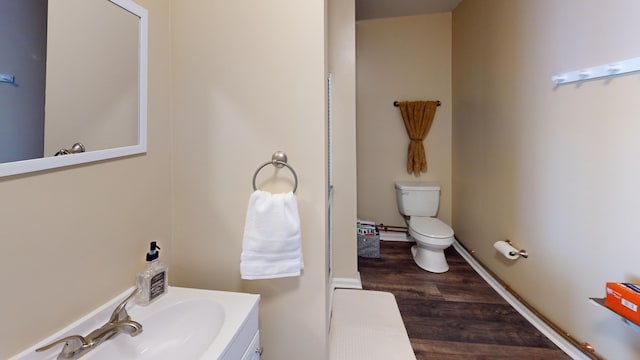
{"x":76,"y":346}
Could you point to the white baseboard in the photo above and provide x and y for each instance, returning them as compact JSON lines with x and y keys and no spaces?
{"x":549,"y":332}
{"x":347,"y":283}
{"x":393,"y":236}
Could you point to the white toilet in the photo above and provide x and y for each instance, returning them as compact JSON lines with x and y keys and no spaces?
{"x":419,"y":201}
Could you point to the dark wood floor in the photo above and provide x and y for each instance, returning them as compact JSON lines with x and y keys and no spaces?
{"x":455,"y":315}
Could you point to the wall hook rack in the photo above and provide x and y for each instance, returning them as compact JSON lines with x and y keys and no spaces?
{"x":7,"y":78}
{"x":611,"y":69}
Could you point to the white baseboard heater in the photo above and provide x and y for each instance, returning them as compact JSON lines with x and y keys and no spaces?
{"x":566,"y":343}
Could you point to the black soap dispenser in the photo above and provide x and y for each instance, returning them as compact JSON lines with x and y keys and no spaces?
{"x":153,"y":281}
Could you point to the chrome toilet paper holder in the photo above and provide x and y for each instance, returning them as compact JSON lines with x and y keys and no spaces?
{"x":521,"y":252}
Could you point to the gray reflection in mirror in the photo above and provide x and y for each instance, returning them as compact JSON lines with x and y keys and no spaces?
{"x":23,"y":40}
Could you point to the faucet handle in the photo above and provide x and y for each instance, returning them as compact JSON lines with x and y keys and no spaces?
{"x":72,"y":344}
{"x":120,"y":312}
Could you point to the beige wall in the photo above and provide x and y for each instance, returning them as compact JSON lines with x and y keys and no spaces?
{"x":75,"y":237}
{"x":403,"y":58}
{"x":552,"y":168}
{"x":250,"y":80}
{"x":342,"y":65}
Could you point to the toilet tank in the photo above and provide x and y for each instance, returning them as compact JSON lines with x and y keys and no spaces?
{"x":418,"y":198}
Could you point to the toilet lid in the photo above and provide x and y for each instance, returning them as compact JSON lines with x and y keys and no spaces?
{"x":431,"y":227}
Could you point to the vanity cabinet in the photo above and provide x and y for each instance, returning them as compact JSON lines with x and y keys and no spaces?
{"x":246,"y":342}
{"x":254,"y":350}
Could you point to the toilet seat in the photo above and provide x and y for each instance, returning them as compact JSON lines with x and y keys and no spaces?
{"x":430,"y":227}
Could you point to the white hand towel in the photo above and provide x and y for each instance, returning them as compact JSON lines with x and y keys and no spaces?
{"x":271,"y":246}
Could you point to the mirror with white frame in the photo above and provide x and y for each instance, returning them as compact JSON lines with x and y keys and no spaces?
{"x":78,"y":75}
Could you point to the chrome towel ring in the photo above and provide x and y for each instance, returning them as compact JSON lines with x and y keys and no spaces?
{"x":279,"y":160}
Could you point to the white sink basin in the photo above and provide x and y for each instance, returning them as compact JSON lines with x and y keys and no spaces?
{"x":183,"y":324}
{"x":179,"y":331}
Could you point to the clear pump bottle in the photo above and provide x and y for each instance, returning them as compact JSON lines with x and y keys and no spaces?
{"x":153,"y":281}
